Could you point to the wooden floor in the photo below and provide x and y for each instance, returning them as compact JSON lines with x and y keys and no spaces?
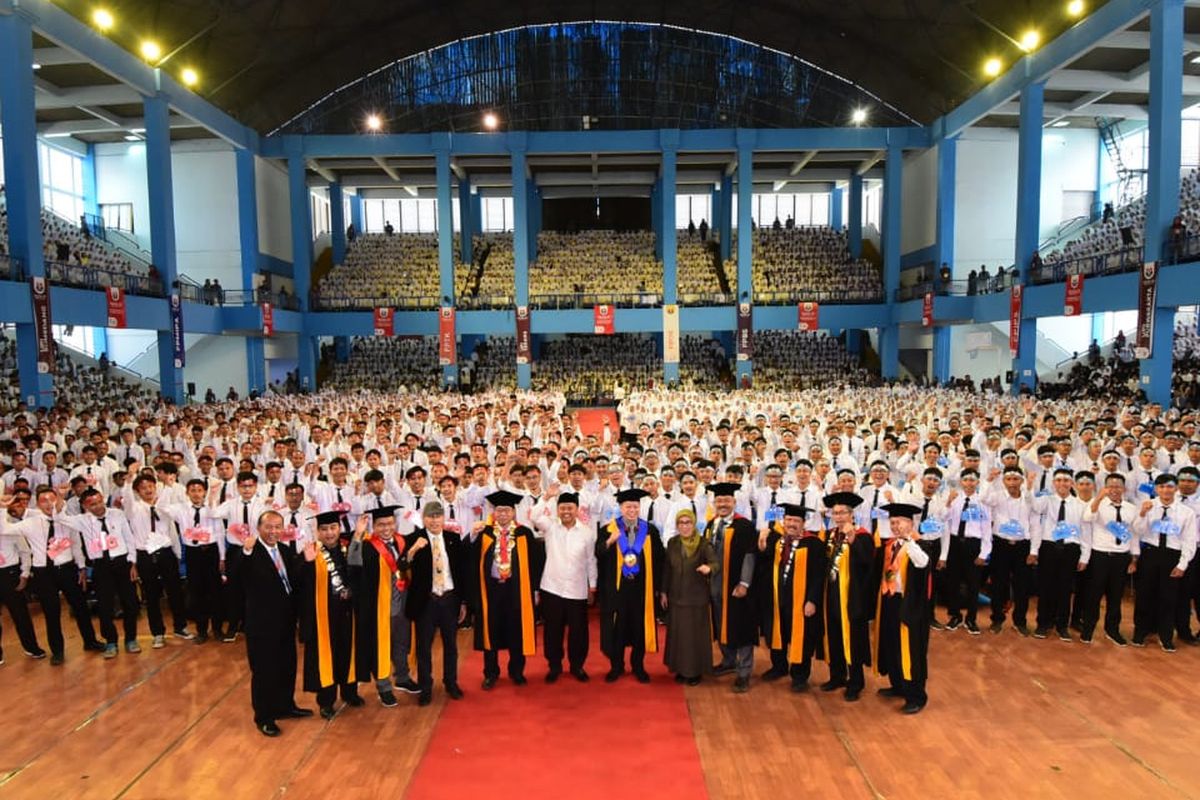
{"x":1008,"y":717}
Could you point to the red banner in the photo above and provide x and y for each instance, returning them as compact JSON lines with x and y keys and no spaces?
{"x":1073,"y":305}
{"x":1143,"y":344}
{"x":447,"y":339}
{"x":524,"y":350}
{"x":383,"y":322}
{"x":745,"y":332}
{"x":268,"y":319}
{"x":43,"y":333}
{"x":810,"y":316}
{"x":1014,"y":319}
{"x":602,"y":320}
{"x":927,"y":310}
{"x":116,"y":307}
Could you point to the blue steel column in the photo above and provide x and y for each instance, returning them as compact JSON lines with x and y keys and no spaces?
{"x":301,"y":215}
{"x":18,"y":121}
{"x":162,"y":229}
{"x":356,"y":213}
{"x":835,"y":208}
{"x":1029,"y":192}
{"x":889,"y":336}
{"x":337,"y":221}
{"x":534,"y":212}
{"x":247,"y":196}
{"x":947,"y":162}
{"x":91,"y":200}
{"x":855,"y":212}
{"x":941,"y":353}
{"x":466,"y":221}
{"x":724,"y":219}
{"x":745,"y":246}
{"x":445,"y":212}
{"x":656,"y":218}
{"x":520,"y":194}
{"x":1162,"y":195}
{"x":667,"y":236}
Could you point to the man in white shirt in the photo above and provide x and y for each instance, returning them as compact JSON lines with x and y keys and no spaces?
{"x":568,"y":584}
{"x":15,"y":571}
{"x":204,"y":543}
{"x":1057,"y":548}
{"x":970,"y":525}
{"x":158,"y":552}
{"x":1164,"y":544}
{"x":1012,"y":521}
{"x":1110,"y":562}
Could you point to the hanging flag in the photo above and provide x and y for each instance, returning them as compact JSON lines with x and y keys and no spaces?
{"x":1073,"y":305}
{"x":524,"y":349}
{"x":447,"y":339}
{"x":1143,"y":345}
{"x":116,"y":307}
{"x":745,"y":332}
{"x":1014,"y":319}
{"x":43,"y":332}
{"x":927,"y":310}
{"x":603,"y":319}
{"x":383,"y":322}
{"x":671,"y":334}
{"x":810,"y":316}
{"x":268,"y":319}
{"x":177,"y":342}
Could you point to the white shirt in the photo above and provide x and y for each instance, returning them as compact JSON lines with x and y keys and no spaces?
{"x":1103,"y":540}
{"x":36,"y":530}
{"x":117,"y":541}
{"x":570,"y":570}
{"x":1074,"y":510}
{"x":1180,"y":516}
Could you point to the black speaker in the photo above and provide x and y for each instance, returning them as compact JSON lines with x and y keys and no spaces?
{"x":191,"y":389}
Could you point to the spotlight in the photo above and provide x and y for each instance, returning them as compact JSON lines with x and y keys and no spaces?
{"x":151,"y":51}
{"x":36,"y":66}
{"x":1075,"y":8}
{"x":374,"y":123}
{"x":1030,"y":40}
{"x":992,"y":67}
{"x":859,"y":116}
{"x":102,"y":18}
{"x":189,"y":76}
{"x":490,"y":121}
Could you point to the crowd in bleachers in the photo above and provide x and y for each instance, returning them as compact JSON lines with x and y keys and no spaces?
{"x":703,"y":363}
{"x":85,"y":386}
{"x":390,"y":364}
{"x":697,"y":278}
{"x":596,"y":262}
{"x":383,"y":269}
{"x":492,"y":285}
{"x":811,"y":263}
{"x":493,"y":365}
{"x":592,"y":370}
{"x":794,"y":360}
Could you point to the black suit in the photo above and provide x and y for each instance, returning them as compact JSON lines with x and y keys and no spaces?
{"x":270,"y":624}
{"x":431,"y":613}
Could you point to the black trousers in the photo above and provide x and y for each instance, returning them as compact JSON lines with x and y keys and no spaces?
{"x":1057,"y":564}
{"x":204,"y":584}
{"x":516,"y":662}
{"x":272,"y":658}
{"x":14,"y":601}
{"x":933,"y":549}
{"x":48,"y":581}
{"x":1107,"y":574}
{"x":561,"y":615}
{"x":326,"y":696}
{"x":440,"y":616}
{"x":1011,"y":578}
{"x":159,"y":571}
{"x":233,"y":593}
{"x":110,"y":579}
{"x":961,"y":572}
{"x":1156,"y":593}
{"x":1189,"y":597}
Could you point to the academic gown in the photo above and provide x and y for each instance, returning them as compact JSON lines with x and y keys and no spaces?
{"x":904,"y":625}
{"x":851,"y":599}
{"x":735,"y":623}
{"x":373,"y":584}
{"x":784,"y":593}
{"x":627,"y":604}
{"x":504,"y":609}
{"x":326,"y":621}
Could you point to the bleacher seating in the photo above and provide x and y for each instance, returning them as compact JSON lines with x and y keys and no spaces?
{"x":399,"y":270}
{"x":389,"y":364}
{"x":794,"y":360}
{"x":698,"y":282}
{"x":495,"y":287}
{"x":703,"y":363}
{"x":493,"y":365}
{"x":810,"y":263}
{"x":602,"y":265}
{"x":588,"y":368}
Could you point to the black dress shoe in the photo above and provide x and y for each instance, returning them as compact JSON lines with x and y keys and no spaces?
{"x":798,"y":686}
{"x":454,"y":692}
{"x":552,"y":675}
{"x":832,"y":685}
{"x":519,"y":680}
{"x":612,"y":675}
{"x":641,"y":676}
{"x":425,"y":698}
{"x":387,"y":699}
{"x":56,"y":659}
{"x":488,"y":683}
{"x":679,"y":678}
{"x":889,"y":691}
{"x":327,"y":712}
{"x":723,"y":669}
{"x":693,"y":681}
{"x":355,"y":701}
{"x":773,"y":674}
{"x":269,"y":729}
{"x":912,"y":708}
{"x":852,"y":695}
{"x":296,"y":712}
{"x":580,"y":675}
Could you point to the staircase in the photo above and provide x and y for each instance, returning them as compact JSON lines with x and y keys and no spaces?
{"x":714,"y":250}
{"x":1129,"y":179}
{"x":321,"y":266}
{"x":871,"y":253}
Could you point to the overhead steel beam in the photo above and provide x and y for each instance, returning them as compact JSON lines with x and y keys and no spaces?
{"x":1081,"y":80}
{"x":83,"y":127}
{"x":1140,"y":40}
{"x":869,"y":162}
{"x":51,"y":96}
{"x":1076,"y":106}
{"x":56,"y":57}
{"x":383,"y":165}
{"x":327,"y":174}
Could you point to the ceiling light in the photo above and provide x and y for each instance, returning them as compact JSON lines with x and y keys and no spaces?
{"x":374,"y":123}
{"x":151,"y":51}
{"x":992,"y":67}
{"x":36,"y":66}
{"x":1030,"y":40}
{"x":189,"y":76}
{"x":1075,"y":8}
{"x":102,"y":18}
{"x":859,"y":116}
{"x":490,"y":121}
{"x":1196,"y":59}
{"x":129,"y":137}
{"x":1062,"y":123}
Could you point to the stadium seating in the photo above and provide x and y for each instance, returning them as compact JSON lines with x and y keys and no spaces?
{"x":398,"y":270}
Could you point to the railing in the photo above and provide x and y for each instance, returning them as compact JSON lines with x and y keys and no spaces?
{"x":326,"y":302}
{"x":1127,"y":259}
{"x":240,"y":297}
{"x":826,"y":296}
{"x":87,"y":277}
{"x":589,"y":299}
{"x":1186,"y":249}
{"x":956,"y":288}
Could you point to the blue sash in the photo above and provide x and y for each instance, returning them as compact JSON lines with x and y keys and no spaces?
{"x":1011,"y":528}
{"x":630,"y":549}
{"x":930,"y":526}
{"x":1064,"y":531}
{"x":1119,"y":531}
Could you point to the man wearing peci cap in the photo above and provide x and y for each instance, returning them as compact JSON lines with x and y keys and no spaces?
{"x":629,"y":564}
{"x":1164,"y":544}
{"x":735,"y":542}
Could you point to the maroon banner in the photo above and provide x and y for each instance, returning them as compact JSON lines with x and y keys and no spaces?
{"x":116,"y":307}
{"x":602,"y":320}
{"x":927,"y":310}
{"x":43,"y":333}
{"x":1143,"y":344}
{"x":268,"y":319}
{"x":447,"y":339}
{"x":810,"y":316}
{"x":384,"y":322}
{"x":1014,"y":319}
{"x":1073,"y":305}
{"x":524,"y":350}
{"x":745,"y":332}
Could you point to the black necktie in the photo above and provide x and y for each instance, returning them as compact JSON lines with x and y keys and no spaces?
{"x":418,"y":498}
{"x":294,"y":519}
{"x":773,"y":492}
{"x":1118,"y":508}
{"x":650,"y":512}
{"x":271,"y":494}
{"x":925,"y":509}
{"x":196,"y":516}
{"x":1062,"y":510}
{"x":153,"y":519}
{"x":962,"y":517}
{"x":224,"y":486}
{"x":1171,"y":457}
{"x":104,"y":530}
{"x":245,"y":513}
{"x":1162,"y":537}
{"x":50,"y":535}
{"x":1043,"y":484}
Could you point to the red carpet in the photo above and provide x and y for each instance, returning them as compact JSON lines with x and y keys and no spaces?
{"x":568,"y":740}
{"x":591,"y":421}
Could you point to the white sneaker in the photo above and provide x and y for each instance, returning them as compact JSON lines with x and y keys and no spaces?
{"x":159,"y":642}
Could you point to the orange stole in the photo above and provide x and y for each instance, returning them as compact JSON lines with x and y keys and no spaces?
{"x":843,"y":565}
{"x":905,"y":657}
{"x":528,"y":634}
{"x":796,"y":645}
{"x":649,"y":626}
{"x":324,"y":652}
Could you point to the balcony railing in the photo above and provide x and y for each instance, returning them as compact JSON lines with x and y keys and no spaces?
{"x":88,"y":277}
{"x":1127,"y":259}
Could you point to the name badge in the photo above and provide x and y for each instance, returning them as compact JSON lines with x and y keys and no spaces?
{"x":56,"y":547}
{"x":341,"y":508}
{"x":773,"y":514}
{"x":112,"y":542}
{"x":972,"y":514}
{"x":1064,"y":531}
{"x":878,"y":513}
{"x":1119,"y":531}
{"x":943,"y":461}
{"x":1146,"y":488}
{"x":238,"y":532}
{"x":289,"y":534}
{"x":929,"y":527}
{"x":1042,"y":493}
{"x":94,"y":547}
{"x":1012,"y":528}
{"x":1164,"y":527}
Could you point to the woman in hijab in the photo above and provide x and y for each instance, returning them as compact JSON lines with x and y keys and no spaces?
{"x":686,"y":597}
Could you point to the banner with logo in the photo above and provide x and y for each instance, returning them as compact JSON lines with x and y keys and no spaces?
{"x":602,"y":320}
{"x":671,"y":334}
{"x":1143,"y":344}
{"x":927,"y":310}
{"x":383,"y":324}
{"x":810,"y":316}
{"x":177,"y":344}
{"x":268,"y":319}
{"x":524,"y":346}
{"x":43,"y":333}
{"x":1014,"y":319}
{"x":745,"y":332}
{"x":1073,"y":305}
{"x":447,"y":340}
{"x":116,"y":307}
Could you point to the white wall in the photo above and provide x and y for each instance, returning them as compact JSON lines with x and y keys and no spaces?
{"x":121,"y":178}
{"x":125,"y":345}
{"x":918,"y":219}
{"x":274,"y":215}
{"x":204,"y":180}
{"x":216,"y":361}
{"x":1069,"y":163}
